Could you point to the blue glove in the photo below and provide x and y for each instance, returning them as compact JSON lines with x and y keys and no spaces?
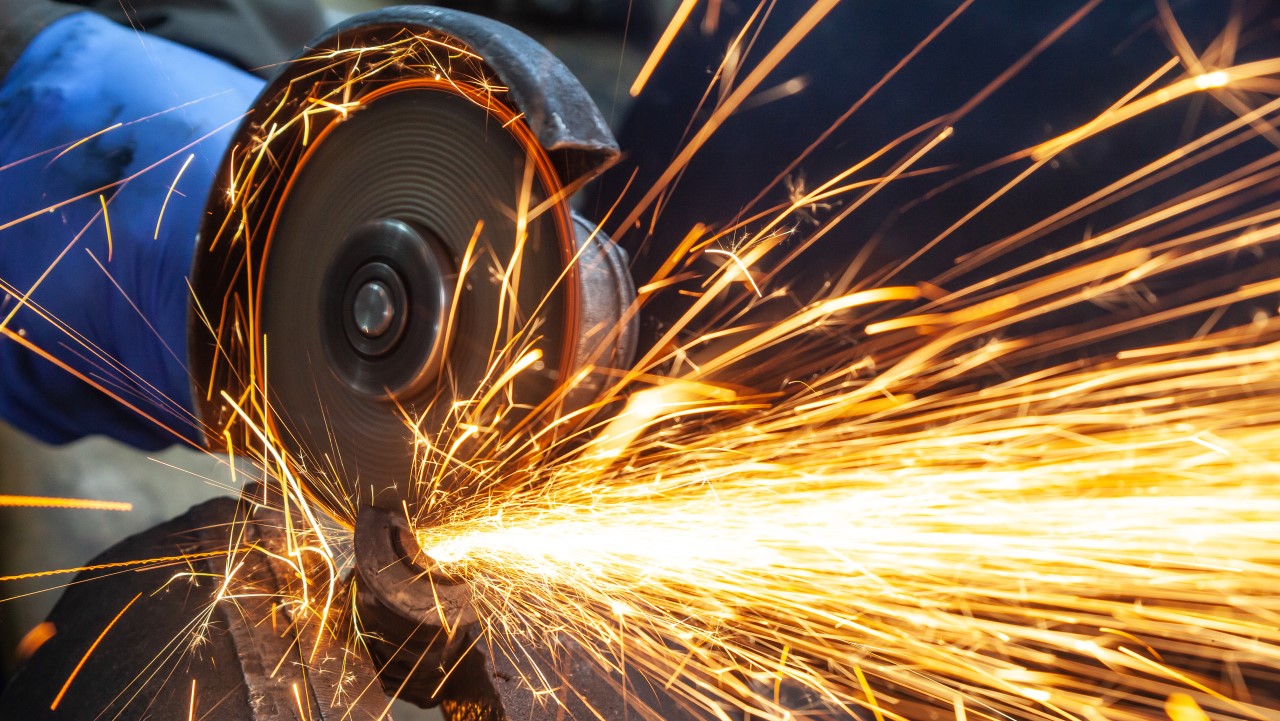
{"x":81,"y":75}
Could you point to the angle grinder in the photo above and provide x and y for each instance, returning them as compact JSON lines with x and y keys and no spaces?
{"x":389,"y":233}
{"x":394,"y":225}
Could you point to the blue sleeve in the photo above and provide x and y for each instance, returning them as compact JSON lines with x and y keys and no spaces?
{"x":161,"y":112}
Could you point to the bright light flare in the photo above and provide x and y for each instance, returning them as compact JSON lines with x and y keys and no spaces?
{"x":1024,"y":543}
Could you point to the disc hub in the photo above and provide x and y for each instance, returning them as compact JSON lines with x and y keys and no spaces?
{"x":374,"y":310}
{"x":387,"y":291}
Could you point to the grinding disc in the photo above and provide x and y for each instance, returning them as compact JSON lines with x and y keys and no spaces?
{"x":393,"y":238}
{"x":437,"y":169}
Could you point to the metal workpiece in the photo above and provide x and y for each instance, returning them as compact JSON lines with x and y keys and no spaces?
{"x":415,"y":621}
{"x":421,"y":628}
{"x":153,"y":640}
{"x":129,"y":643}
{"x":553,"y":678}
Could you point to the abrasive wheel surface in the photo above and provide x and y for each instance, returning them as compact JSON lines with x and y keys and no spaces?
{"x":443,"y":164}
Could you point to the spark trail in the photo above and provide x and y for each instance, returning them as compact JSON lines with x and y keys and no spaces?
{"x":1022,"y":498}
{"x":1021,"y":548}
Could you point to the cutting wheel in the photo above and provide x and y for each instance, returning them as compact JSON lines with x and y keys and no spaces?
{"x":369,"y":241}
{"x":396,"y":236}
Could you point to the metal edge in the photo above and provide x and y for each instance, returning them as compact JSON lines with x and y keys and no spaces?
{"x":558,"y":110}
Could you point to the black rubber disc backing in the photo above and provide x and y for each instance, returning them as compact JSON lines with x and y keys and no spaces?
{"x":440,"y":164}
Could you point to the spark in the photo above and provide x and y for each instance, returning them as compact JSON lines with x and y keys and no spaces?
{"x":297,"y":699}
{"x":664,"y":42}
{"x":741,"y":269}
{"x":106,"y":223}
{"x":165,"y":204}
{"x":1216,"y":79}
{"x":52,"y":502}
{"x":342,"y":109}
{"x":82,"y":141}
{"x":92,"y":647}
{"x":1181,"y":707}
{"x":158,"y":561}
{"x":1141,"y":106}
{"x":32,"y":640}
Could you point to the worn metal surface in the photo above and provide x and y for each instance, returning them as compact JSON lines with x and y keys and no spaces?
{"x":143,"y":642}
{"x":608,"y":320}
{"x":418,"y":622}
{"x":553,"y":678}
{"x":292,"y":654}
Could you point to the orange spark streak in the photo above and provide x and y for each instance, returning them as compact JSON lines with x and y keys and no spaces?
{"x":122,"y":564}
{"x":1181,"y":707}
{"x":106,"y":222}
{"x":83,"y":504}
{"x":61,"y":149}
{"x":165,"y":204}
{"x":58,"y":699}
{"x":297,"y":697}
{"x":35,"y":638}
{"x":664,"y":42}
{"x":82,"y":141}
{"x":1187,"y":86}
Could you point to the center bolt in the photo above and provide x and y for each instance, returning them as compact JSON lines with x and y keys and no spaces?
{"x":373,"y":309}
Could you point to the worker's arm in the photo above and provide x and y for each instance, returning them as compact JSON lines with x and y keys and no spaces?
{"x":253,"y":35}
{"x":93,"y":112}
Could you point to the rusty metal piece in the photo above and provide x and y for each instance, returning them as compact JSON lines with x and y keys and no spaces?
{"x":416,"y":620}
{"x":288,"y":651}
{"x":152,"y":636}
{"x":264,"y":656}
{"x":492,"y":683}
{"x":432,"y":650}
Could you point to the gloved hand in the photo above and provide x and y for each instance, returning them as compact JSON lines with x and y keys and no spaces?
{"x":83,"y":75}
